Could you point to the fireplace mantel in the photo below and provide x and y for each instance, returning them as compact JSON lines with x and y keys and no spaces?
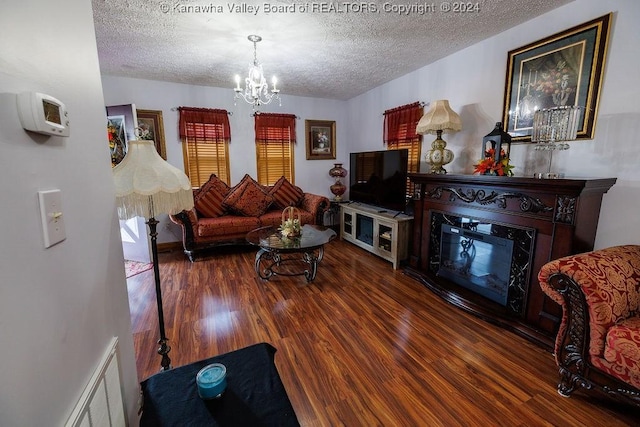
{"x":562,"y":215}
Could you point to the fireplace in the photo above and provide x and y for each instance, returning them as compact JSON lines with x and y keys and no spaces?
{"x":364,"y":229}
{"x":465,"y":226}
{"x":488,"y":258}
{"x":476,"y":260}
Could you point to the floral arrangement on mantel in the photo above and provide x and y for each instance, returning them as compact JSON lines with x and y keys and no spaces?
{"x":291,"y":226}
{"x":489,"y":166}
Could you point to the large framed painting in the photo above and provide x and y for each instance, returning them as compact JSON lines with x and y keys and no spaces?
{"x":565,"y":69}
{"x":151,"y":127}
{"x":321,"y":139}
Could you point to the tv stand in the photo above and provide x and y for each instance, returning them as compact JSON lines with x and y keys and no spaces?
{"x":382,"y":232}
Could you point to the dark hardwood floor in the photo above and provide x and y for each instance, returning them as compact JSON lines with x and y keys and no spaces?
{"x":363,"y":345}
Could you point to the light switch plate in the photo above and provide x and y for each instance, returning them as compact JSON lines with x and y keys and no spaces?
{"x":51,"y":216}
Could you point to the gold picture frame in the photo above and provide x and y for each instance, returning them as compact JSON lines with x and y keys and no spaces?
{"x":151,"y":127}
{"x":320,"y":139}
{"x":565,"y":69}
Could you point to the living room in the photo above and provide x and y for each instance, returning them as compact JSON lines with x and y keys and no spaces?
{"x":59,"y":313}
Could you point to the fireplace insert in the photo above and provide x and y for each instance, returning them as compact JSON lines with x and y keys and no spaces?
{"x":475,"y":259}
{"x":488,"y":258}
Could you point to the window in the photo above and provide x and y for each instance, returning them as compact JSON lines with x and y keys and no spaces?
{"x":400,"y":132}
{"x":205,"y":135}
{"x":275,"y":137}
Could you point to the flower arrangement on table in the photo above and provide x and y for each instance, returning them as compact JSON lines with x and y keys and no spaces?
{"x":489,"y":166}
{"x":291,"y":226}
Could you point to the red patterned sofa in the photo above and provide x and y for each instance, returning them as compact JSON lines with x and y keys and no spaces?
{"x":224,"y":215}
{"x":598,"y":342}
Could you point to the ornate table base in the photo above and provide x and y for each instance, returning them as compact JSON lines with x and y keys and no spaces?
{"x":270,"y":259}
{"x":267,"y":259}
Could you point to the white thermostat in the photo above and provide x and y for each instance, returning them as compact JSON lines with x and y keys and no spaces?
{"x":42,"y":113}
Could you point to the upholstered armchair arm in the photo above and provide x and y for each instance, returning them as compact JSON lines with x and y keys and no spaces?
{"x":572,"y":341}
{"x":599,"y":288}
{"x":315,"y":204}
{"x":595,"y":290}
{"x":188,"y":220}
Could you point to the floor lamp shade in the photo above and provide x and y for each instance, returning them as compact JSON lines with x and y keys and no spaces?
{"x":146,"y":185}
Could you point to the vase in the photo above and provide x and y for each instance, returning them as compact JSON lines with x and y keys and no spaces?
{"x":337,"y":171}
{"x":338,"y":188}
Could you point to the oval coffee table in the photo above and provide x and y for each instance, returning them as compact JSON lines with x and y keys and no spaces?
{"x":272,"y":246}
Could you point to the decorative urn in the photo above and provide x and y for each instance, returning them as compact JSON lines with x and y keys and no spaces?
{"x":338,"y":188}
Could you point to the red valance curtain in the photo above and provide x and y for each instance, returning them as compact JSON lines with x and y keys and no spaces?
{"x":275,"y":128}
{"x":204,"y":124}
{"x":400,"y":123}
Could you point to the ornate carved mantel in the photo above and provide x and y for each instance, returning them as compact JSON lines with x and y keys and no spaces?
{"x":561,"y":214}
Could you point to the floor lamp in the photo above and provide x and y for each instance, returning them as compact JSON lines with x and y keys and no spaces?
{"x":147,"y":186}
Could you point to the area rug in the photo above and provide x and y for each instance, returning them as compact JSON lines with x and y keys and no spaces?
{"x":135,"y":267}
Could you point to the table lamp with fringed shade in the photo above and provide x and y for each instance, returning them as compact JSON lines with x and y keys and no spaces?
{"x":147,"y":186}
{"x":438,"y":120}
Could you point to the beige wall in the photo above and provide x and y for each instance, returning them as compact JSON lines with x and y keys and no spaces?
{"x":473,"y":80}
{"x":59,"y":307}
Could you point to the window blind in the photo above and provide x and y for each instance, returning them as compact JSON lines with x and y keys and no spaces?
{"x":206,"y":136}
{"x":275,"y":137}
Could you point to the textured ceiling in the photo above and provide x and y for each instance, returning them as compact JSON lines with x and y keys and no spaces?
{"x":334,"y":50}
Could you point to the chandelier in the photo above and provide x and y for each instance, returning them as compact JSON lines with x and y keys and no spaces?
{"x":256,"y":90}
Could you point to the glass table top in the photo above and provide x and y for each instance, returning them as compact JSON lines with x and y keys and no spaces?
{"x":312,"y":236}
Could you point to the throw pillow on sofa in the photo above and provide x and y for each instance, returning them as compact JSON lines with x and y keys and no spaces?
{"x":208,"y":201}
{"x":286,"y":194}
{"x":248,"y":198}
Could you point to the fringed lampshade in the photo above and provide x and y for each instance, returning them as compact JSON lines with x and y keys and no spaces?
{"x":146,"y":186}
{"x":438,"y":120}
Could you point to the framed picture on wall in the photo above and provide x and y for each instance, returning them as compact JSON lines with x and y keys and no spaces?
{"x":565,"y":69}
{"x":120,"y":130}
{"x":151,"y":127}
{"x":320,"y":139}
{"x":116,"y":133}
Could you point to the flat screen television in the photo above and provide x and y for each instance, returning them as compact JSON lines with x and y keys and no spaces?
{"x":379,"y":178}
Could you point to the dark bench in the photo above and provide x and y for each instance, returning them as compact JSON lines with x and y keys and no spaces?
{"x":255,"y":395}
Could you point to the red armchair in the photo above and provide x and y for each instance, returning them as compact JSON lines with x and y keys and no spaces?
{"x":597,"y":347}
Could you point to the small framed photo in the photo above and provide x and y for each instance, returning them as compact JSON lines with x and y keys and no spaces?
{"x":151,"y":127}
{"x":321,"y":139}
{"x":116,"y":134}
{"x":565,"y":69}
